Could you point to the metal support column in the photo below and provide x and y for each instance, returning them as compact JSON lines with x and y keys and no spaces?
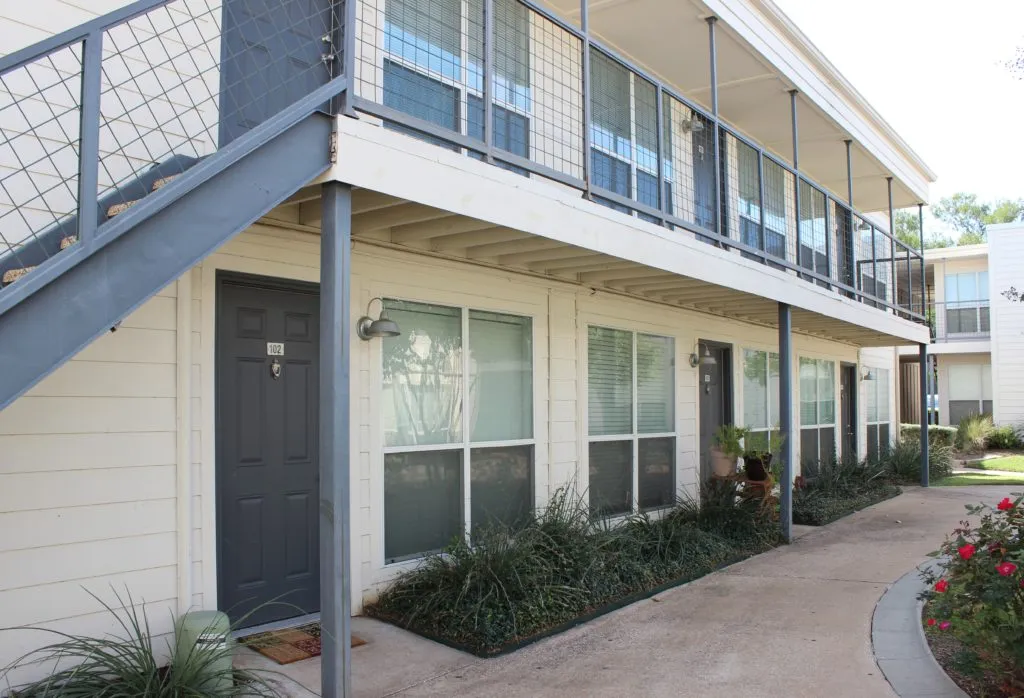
{"x":585,"y":30}
{"x":89,"y":135}
{"x":786,"y":420}
{"x":892,"y":246}
{"x":924,"y":414}
{"x":760,"y":204}
{"x":488,"y":86}
{"x":796,"y":167}
{"x":713,"y":59}
{"x":335,"y":537}
{"x":924,"y":286}
{"x":663,"y":204}
{"x":348,"y":55}
{"x":849,"y":174}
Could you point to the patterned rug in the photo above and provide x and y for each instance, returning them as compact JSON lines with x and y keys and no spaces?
{"x":290,"y":644}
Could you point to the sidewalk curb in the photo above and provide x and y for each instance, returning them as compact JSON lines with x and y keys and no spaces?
{"x":899,"y":645}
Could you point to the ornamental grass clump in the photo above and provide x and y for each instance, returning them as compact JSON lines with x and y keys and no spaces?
{"x":832,"y":489}
{"x":973,"y":432}
{"x":978,"y":592}
{"x":510,"y":585}
{"x":902,"y":462}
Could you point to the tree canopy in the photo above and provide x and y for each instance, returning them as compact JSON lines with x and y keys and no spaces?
{"x":969,"y":216}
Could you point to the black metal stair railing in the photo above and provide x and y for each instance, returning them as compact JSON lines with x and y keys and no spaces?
{"x":96,"y":118}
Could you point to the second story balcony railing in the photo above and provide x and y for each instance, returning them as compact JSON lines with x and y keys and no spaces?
{"x":509,"y":82}
{"x":960,"y":320}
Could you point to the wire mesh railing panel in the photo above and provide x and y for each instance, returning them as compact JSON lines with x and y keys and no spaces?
{"x":39,"y":143}
{"x":844,"y":249}
{"x":741,"y":187}
{"x":688,"y":147}
{"x":131,"y":100}
{"x":779,"y":211}
{"x":883,"y":267}
{"x":961,"y":320}
{"x":814,"y":250}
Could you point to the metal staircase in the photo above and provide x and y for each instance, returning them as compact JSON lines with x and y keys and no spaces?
{"x":142,"y":141}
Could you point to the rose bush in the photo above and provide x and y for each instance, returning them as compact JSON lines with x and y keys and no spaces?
{"x":978,"y":591}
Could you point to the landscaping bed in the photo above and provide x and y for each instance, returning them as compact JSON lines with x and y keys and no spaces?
{"x":974,"y":610}
{"x":812,"y":508}
{"x":512,"y":587}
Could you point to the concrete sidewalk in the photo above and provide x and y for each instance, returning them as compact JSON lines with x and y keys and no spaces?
{"x":795,"y":621}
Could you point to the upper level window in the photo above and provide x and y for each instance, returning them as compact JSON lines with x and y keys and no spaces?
{"x":966,"y":287}
{"x":446,"y":410}
{"x":631,"y":420}
{"x":966,"y":309}
{"x":433,"y":68}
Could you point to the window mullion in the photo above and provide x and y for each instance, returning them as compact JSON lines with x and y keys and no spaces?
{"x":634,"y":505}
{"x":466,"y":439}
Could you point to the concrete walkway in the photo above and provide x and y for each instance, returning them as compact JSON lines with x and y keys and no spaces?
{"x":795,"y":621}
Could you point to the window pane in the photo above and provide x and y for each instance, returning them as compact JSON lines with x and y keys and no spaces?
{"x":422,"y":495}
{"x":965,"y":382}
{"x":827,"y":445}
{"x":500,"y":377}
{"x":609,"y":381}
{"x":654,"y":384}
{"x":755,"y":389}
{"x":773,"y":389}
{"x":951,"y":288}
{"x":646,"y":122}
{"x":420,"y":96}
{"x":511,"y":50}
{"x":871,"y":398}
{"x":656,"y":480}
{"x":872,"y":442}
{"x":809,"y":446}
{"x":983,"y":285}
{"x":967,"y":287}
{"x":647,"y":189}
{"x":808,"y":392}
{"x":986,"y":382}
{"x":882,"y":385}
{"x":826,"y":392}
{"x":611,"y":477}
{"x":610,"y":105}
{"x":425,"y":32}
{"x":612,"y":174}
{"x":501,"y":489}
{"x":422,"y":395}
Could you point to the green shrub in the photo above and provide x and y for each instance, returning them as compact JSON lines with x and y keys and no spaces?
{"x":1004,"y":437}
{"x":902,"y":462}
{"x":937,"y":435}
{"x":512,"y":584}
{"x":125,"y":665}
{"x":842,"y":477}
{"x":978,"y":594}
{"x":833,"y":489}
{"x":973,"y":432}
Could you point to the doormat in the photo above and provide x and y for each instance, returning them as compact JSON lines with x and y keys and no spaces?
{"x":290,"y":644}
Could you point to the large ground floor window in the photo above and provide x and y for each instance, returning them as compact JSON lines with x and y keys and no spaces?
{"x":760,"y":397}
{"x":457,"y":410}
{"x":631,"y":421}
{"x":817,"y":410}
{"x":970,"y":391}
{"x":876,"y":399}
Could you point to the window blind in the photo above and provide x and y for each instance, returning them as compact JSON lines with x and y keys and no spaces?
{"x":654,"y":389}
{"x":610,"y":104}
{"x":609,"y":381}
{"x":500,"y":375}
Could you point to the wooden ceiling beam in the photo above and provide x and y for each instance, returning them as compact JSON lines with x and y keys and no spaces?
{"x":452,"y":225}
{"x":624,"y":277}
{"x":462,"y":241}
{"x":560,"y":254}
{"x":497,"y":249}
{"x":595,"y":262}
{"x":406,"y":214}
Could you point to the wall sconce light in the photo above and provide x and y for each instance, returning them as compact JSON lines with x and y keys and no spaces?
{"x":706,"y":360}
{"x":867,"y":375}
{"x":863,"y":225}
{"x":368,"y":328}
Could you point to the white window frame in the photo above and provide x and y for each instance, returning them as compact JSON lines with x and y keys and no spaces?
{"x":463,"y":85}
{"x":772,"y":418}
{"x":981,"y":384}
{"x":635,"y":436}
{"x":466,"y":445}
{"x":873,"y":385}
{"x":818,"y":425}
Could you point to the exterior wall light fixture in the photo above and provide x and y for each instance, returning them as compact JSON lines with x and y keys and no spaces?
{"x":706,"y":360}
{"x":367,"y":328}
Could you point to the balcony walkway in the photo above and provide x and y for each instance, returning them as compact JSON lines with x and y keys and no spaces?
{"x":795,"y":621}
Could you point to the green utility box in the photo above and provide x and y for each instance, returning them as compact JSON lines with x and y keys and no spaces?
{"x":207,"y":631}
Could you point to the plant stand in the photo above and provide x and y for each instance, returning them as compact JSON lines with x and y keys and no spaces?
{"x":753,"y":490}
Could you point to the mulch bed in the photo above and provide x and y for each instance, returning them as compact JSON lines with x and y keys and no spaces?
{"x":955,"y":659}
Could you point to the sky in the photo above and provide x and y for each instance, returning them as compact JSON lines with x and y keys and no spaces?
{"x":934,"y":70}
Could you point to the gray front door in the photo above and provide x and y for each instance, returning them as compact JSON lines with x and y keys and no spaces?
{"x":273,"y":52}
{"x":267,"y":451}
{"x":848,"y":408}
{"x":715,"y":386}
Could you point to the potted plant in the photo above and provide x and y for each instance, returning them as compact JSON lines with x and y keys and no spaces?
{"x":757,"y":460}
{"x":727,"y":448}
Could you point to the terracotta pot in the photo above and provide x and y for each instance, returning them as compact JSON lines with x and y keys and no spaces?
{"x":722,"y":464}
{"x":757,"y":468}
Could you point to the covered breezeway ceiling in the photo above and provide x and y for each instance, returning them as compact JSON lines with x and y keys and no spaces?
{"x":387,"y":221}
{"x":669,"y":40}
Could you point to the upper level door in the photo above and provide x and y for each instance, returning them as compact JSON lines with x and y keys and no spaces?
{"x":273,"y":53}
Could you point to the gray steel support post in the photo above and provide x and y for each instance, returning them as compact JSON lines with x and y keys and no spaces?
{"x":587,"y":116}
{"x":924,"y":287}
{"x":488,"y":86}
{"x":786,"y":420}
{"x":713,"y":60}
{"x":662,"y":199}
{"x":924,"y":413}
{"x":760,"y":203}
{"x":89,"y":135}
{"x":892,"y":245}
{"x":796,"y":167}
{"x":335,"y":538}
{"x":849,"y":174}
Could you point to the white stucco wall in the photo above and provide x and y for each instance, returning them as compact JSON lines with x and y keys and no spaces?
{"x":1006,"y":270}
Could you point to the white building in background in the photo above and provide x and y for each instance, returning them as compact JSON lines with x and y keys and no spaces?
{"x":977,"y":348}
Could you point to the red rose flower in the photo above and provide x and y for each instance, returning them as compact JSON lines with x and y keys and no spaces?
{"x":944,"y":625}
{"x":931,"y":622}
{"x":1006,"y":568}
{"x":1005,"y":504}
{"x":966,"y":551}
{"x":941,"y":585}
